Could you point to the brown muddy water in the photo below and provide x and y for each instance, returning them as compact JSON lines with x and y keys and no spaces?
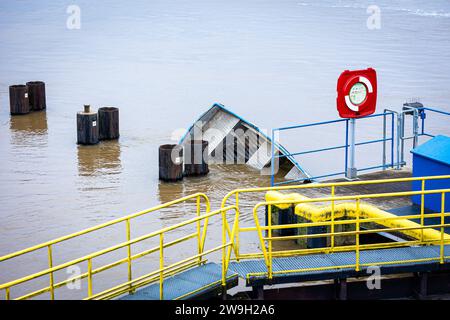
{"x":163,"y":63}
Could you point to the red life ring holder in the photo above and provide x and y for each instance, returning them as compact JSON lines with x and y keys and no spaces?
{"x":348,"y":79}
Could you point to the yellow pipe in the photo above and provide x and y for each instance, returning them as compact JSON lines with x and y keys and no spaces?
{"x":348,"y":210}
{"x":330,"y":184}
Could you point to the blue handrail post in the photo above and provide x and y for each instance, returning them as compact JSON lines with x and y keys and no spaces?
{"x":384,"y":141}
{"x":272,"y":161}
{"x":392,"y":140}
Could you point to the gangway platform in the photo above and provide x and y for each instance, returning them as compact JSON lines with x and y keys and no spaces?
{"x":341,"y":265}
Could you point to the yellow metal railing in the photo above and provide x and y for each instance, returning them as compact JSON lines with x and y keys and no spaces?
{"x":231,"y":238}
{"x":266,"y":241}
{"x":237,"y":194}
{"x":199,"y":235}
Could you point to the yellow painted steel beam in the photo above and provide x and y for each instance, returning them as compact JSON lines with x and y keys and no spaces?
{"x":331,"y":184}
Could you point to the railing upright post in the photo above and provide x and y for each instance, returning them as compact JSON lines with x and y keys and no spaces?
{"x":199,"y":236}
{"x":399,"y":142}
{"x":237,"y":227}
{"x":7,"y":294}
{"x":442,"y":226}
{"x":422,"y":209}
{"x":269,"y":224}
{"x":332,"y":217}
{"x":402,"y":135}
{"x":392,"y":139}
{"x":272,"y":160}
{"x":130,"y":275}
{"x":89,"y":277}
{"x":224,"y":241}
{"x":423,"y":121}
{"x":384,"y":141}
{"x":357,"y":233}
{"x":50,"y":265}
{"x":415,"y":127}
{"x":161,"y":266}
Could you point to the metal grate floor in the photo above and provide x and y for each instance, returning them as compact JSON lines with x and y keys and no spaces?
{"x":185,"y":285}
{"x":334,"y":260}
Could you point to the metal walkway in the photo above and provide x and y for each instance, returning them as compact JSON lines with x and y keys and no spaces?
{"x":206,"y":279}
{"x":200,"y":273}
{"x":193,"y":283}
{"x":398,"y":263}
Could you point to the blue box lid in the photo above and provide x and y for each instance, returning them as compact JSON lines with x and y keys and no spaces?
{"x":437,"y":149}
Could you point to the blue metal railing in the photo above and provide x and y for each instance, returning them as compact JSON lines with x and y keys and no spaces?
{"x":423,"y":116}
{"x":416,"y":112}
{"x":346,"y":146}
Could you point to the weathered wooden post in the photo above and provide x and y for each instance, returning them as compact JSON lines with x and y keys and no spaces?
{"x":87,"y":128}
{"x":36,"y":93}
{"x":108,"y":123}
{"x":18,"y":99}
{"x":170,"y":162}
{"x":196,"y":158}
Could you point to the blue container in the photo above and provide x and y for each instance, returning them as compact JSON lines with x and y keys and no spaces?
{"x":432,"y":159}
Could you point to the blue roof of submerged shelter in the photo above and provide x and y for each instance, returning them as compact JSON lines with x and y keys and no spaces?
{"x":437,"y":149}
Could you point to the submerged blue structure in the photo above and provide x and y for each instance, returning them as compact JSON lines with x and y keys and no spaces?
{"x":431,"y":159}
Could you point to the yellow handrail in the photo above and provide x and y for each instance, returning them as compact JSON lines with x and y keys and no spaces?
{"x":230,"y":238}
{"x":201,"y":237}
{"x":129,"y":284}
{"x":332,"y":185}
{"x":268,"y":253}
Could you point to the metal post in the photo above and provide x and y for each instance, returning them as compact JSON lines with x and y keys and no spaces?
{"x":332,"y":218}
{"x":129,"y":260}
{"x":161,"y":266}
{"x":351,"y":170}
{"x":236,"y":251}
{"x":270,"y":241}
{"x":199,"y":233}
{"x":272,"y":161}
{"x":402,"y":140}
{"x":89,"y":277}
{"x":415,"y":127}
{"x":392,"y":140}
{"x":357,"y":233}
{"x":346,"y":146}
{"x":442,"y":256}
{"x":399,"y":142}
{"x":50,"y":265}
{"x":384,"y":140}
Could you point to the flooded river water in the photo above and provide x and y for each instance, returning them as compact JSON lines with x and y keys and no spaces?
{"x":163,"y":63}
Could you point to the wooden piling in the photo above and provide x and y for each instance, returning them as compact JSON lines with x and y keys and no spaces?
{"x":18,"y":99}
{"x":87,"y":127}
{"x":36,"y":93}
{"x":108,"y":123}
{"x":170,"y":162}
{"x":196,"y":158}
